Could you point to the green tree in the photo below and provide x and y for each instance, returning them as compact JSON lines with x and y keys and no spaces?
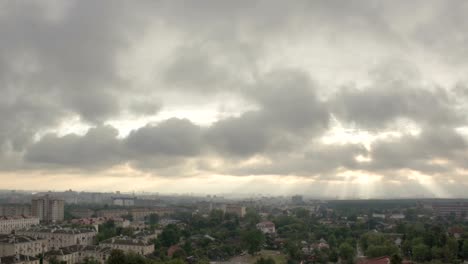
{"x":464,"y":251}
{"x":346,"y":252}
{"x":170,"y":235}
{"x":134,"y":258}
{"x":451,"y":249}
{"x":396,"y":259}
{"x":153,"y":219}
{"x":90,"y":260}
{"x":252,"y":240}
{"x":421,"y":252}
{"x":116,"y":257}
{"x":265,"y":261}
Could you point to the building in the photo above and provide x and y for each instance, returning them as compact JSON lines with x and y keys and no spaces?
{"x":147,"y":235}
{"x":13,"y":223}
{"x":19,"y":244}
{"x":127,"y":244}
{"x":397,"y":216}
{"x":266,"y":227}
{"x":19,"y":259}
{"x":297,"y":199}
{"x":58,"y":237}
{"x":48,"y":209}
{"x":82,"y":213}
{"x":235,"y":209}
{"x":15,"y":209}
{"x":139,"y":214}
{"x":112,"y":213}
{"x":445,"y":209}
{"x":123,"y":201}
{"x":78,"y":253}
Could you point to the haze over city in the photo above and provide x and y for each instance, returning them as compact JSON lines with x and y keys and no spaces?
{"x":343,"y":99}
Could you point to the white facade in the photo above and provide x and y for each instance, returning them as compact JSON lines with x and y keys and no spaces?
{"x":18,"y":244}
{"x":9,"y":224}
{"x":129,"y":245}
{"x":266,"y":227}
{"x":58,"y":237}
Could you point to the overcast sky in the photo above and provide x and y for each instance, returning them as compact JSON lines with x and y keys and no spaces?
{"x":323,"y":98}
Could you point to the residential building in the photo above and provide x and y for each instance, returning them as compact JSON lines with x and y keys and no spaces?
{"x":58,"y":237}
{"x":123,"y":201}
{"x":112,"y":213}
{"x":297,"y":199}
{"x":82,"y":212}
{"x":15,"y":209}
{"x":235,"y":209}
{"x":139,"y":214}
{"x":267,"y":227}
{"x":78,"y":253}
{"x":48,"y":209}
{"x":445,"y":209}
{"x":127,"y":244}
{"x":12,"y":223}
{"x":19,"y":259}
{"x":19,"y":244}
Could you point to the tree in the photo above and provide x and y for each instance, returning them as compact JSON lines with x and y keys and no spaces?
{"x":170,"y":235}
{"x":90,"y":260}
{"x":116,"y":257}
{"x":346,"y":252}
{"x":134,"y":258}
{"x":465,"y":249}
{"x":421,"y":252}
{"x":396,"y":259}
{"x":374,"y":251}
{"x":153,"y":219}
{"x":252,"y":240}
{"x":451,"y":249}
{"x":265,"y":261}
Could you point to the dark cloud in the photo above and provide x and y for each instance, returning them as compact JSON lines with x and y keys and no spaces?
{"x":98,"y":148}
{"x":383,"y":104}
{"x":173,"y":137}
{"x":431,"y":151}
{"x":289,"y":112}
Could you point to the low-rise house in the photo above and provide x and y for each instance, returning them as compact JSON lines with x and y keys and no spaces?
{"x":381,"y":216}
{"x":456,"y":232}
{"x":380,"y":260}
{"x":8,"y":224}
{"x":128,"y":244}
{"x":23,"y":245}
{"x":267,"y":227}
{"x":397,"y":216}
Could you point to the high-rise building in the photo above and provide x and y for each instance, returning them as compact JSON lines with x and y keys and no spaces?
{"x":48,"y":209}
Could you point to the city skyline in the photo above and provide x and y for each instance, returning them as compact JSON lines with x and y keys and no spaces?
{"x":338,"y":99}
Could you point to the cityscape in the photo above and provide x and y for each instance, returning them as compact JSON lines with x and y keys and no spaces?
{"x":73,"y":227}
{"x":233,"y":132}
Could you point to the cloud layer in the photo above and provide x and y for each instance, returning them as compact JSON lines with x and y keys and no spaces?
{"x":323,"y":91}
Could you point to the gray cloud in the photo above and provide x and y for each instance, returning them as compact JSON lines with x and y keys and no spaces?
{"x":69,"y":60}
{"x":98,"y":148}
{"x":173,"y":137}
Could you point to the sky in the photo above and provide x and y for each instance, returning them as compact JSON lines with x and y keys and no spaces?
{"x":363,"y":99}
